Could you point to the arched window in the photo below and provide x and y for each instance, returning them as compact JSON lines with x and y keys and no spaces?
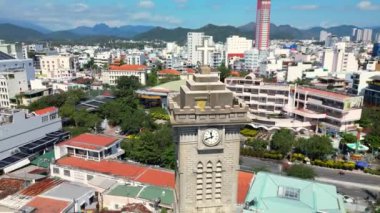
{"x":218,"y":181}
{"x":199,"y":181}
{"x":209,"y":181}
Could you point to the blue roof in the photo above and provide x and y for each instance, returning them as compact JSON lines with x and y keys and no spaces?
{"x":271,"y":193}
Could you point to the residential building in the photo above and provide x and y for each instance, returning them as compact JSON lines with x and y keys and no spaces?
{"x":22,"y":133}
{"x":102,"y":58}
{"x":372,"y":92}
{"x":63,"y":66}
{"x":367,"y":35}
{"x":14,"y":50}
{"x":10,"y":64}
{"x":90,"y":147}
{"x":204,"y":51}
{"x":237,"y":45}
{"x":323,"y":35}
{"x":338,"y":60}
{"x":372,"y":65}
{"x":296,"y":71}
{"x":360,"y":81}
{"x":275,"y":106}
{"x":263,"y":24}
{"x":135,"y":59}
{"x":194,"y":39}
{"x":114,"y":72}
{"x":66,"y":197}
{"x":376,"y":50}
{"x":30,"y":96}
{"x":272,"y":193}
{"x":251,"y":59}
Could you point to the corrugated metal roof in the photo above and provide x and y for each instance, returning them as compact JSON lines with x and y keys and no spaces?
{"x":68,"y":191}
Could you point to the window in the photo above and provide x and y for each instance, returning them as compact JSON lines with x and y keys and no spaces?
{"x":289,"y":192}
{"x":200,"y":181}
{"x":45,"y":118}
{"x":66,"y":173}
{"x":56,"y":170}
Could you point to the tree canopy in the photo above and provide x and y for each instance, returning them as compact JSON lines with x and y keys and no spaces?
{"x":316,"y":147}
{"x":282,"y":141}
{"x":301,"y":171}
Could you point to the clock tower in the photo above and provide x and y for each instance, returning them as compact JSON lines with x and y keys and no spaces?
{"x":206,"y":125}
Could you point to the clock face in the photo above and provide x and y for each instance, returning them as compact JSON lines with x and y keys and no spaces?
{"x":211,"y":137}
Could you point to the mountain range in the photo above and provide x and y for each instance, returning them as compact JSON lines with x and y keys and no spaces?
{"x":12,"y":30}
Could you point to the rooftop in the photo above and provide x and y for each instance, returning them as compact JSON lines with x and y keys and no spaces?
{"x":40,"y":187}
{"x":48,"y":205}
{"x":44,"y":160}
{"x":127,"y":67}
{"x":150,"y":193}
{"x":134,"y":172}
{"x":172,"y":86}
{"x":9,"y":186}
{"x":68,"y":191}
{"x":273,"y":193}
{"x":90,"y":141}
{"x":169,"y":72}
{"x":46,"y":110}
{"x":4,"y":56}
{"x":328,"y":94}
{"x":244,"y":182}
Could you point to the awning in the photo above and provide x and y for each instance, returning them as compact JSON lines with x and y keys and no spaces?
{"x":357,"y":146}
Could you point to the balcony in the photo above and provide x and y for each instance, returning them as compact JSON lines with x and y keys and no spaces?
{"x":116,"y":155}
{"x":306,"y":113}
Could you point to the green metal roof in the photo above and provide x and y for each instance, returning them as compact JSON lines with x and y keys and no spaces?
{"x":312,"y":196}
{"x":125,"y":191}
{"x":44,"y":160}
{"x":152,"y":193}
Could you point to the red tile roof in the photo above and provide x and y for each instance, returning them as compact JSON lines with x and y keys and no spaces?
{"x":45,"y":110}
{"x":127,"y":67}
{"x":9,"y":186}
{"x":244,"y":183}
{"x":331,"y":95}
{"x":130,"y":171}
{"x":48,"y":205}
{"x":239,"y":55}
{"x":40,"y":187}
{"x":169,"y":72}
{"x":190,"y":71}
{"x":235,"y":73}
{"x":90,"y":141}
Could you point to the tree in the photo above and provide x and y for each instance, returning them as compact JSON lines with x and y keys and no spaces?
{"x":126,"y":85}
{"x":257,"y":144}
{"x":301,"y":171}
{"x":152,"y":79}
{"x":224,"y":71}
{"x":348,"y":138}
{"x":316,"y":147}
{"x":282,"y":141}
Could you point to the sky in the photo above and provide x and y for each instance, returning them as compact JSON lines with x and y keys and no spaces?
{"x":67,"y":14}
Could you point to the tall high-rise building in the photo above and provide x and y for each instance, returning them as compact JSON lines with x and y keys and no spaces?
{"x":263,"y":24}
{"x":324,"y":35}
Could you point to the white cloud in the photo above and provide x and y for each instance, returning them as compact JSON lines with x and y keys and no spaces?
{"x":306,"y":7}
{"x":146,"y":4}
{"x":79,"y":7}
{"x":368,"y":5}
{"x":153,"y":18}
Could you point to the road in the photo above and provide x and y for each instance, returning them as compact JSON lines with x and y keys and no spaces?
{"x":355,"y":184}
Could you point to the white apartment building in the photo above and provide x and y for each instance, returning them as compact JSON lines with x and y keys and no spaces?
{"x":360,"y":81}
{"x":63,"y":66}
{"x":296,"y":71}
{"x":135,"y":59}
{"x":194,"y":39}
{"x":275,"y":106}
{"x":14,"y":50}
{"x":111,"y":75}
{"x":323,"y":35}
{"x":102,"y":58}
{"x":252,"y":59}
{"x":237,"y":45}
{"x":367,"y":35}
{"x":338,"y":60}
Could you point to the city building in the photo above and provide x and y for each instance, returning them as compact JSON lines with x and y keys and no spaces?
{"x":338,"y":60}
{"x":376,"y":50}
{"x":114,"y":72}
{"x":237,"y":45}
{"x":252,"y":59}
{"x":195,"y":40}
{"x":90,"y":147}
{"x":272,"y":193}
{"x":63,"y":66}
{"x":360,"y":81}
{"x":30,"y":96}
{"x":11,"y":64}
{"x":323,"y":35}
{"x":14,"y":50}
{"x":206,"y":126}
{"x":135,"y":59}
{"x":367,"y":35}
{"x":263,"y":24}
{"x":296,"y":71}
{"x":275,"y":106}
{"x":372,"y":92}
{"x":102,"y":59}
{"x":24,"y":134}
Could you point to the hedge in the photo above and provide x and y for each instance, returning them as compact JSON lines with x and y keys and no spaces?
{"x":261,"y":154}
{"x":335,"y":164}
{"x":297,"y":157}
{"x":372,"y":171}
{"x":248,"y":132}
